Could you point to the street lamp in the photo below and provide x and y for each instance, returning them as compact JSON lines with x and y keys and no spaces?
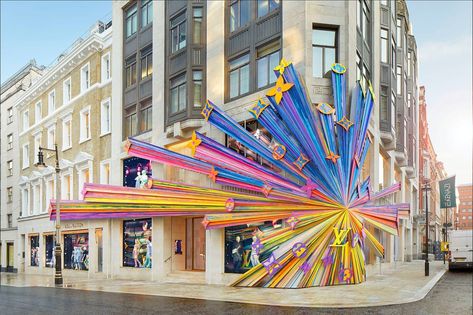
{"x":426,"y":187}
{"x":57,"y":251}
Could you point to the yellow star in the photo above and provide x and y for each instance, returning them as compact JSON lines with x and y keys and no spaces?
{"x":282,"y":66}
{"x":193,"y":143}
{"x":279,"y":89}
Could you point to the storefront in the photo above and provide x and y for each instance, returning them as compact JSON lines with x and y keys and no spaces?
{"x":49,"y":244}
{"x":137,"y":243}
{"x":76,"y":250}
{"x":34,"y":250}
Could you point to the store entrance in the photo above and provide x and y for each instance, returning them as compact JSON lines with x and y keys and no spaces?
{"x":10,"y":256}
{"x":188,"y":237}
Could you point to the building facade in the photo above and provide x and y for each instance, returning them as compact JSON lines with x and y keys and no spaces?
{"x":463,"y":216}
{"x":431,"y":171}
{"x":224,"y":51}
{"x":68,"y":107}
{"x":11,"y":90}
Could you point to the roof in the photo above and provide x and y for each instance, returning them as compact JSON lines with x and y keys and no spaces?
{"x":20,"y":74}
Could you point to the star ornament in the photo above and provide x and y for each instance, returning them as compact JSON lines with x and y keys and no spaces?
{"x":327,"y":260}
{"x":332,"y":157}
{"x":258,"y":108}
{"x":194,"y":143}
{"x":325,"y":109}
{"x":282,"y":66}
{"x":213,"y":174}
{"x":345,"y":123}
{"x":292,"y":221}
{"x":279,"y":88}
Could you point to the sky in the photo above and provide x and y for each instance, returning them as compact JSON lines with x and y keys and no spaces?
{"x":443,"y":30}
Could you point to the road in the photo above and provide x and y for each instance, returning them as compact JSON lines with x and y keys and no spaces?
{"x":451,"y":295}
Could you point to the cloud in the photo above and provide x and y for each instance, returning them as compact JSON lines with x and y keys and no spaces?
{"x":442,"y":50}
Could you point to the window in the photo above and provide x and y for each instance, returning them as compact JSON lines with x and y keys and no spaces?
{"x":409,"y":56}
{"x":197,"y":80}
{"x":239,"y":14}
{"x":384,"y":2}
{"x":26,"y":120}
{"x":10,"y":115}
{"x":9,"y":194}
{"x":66,"y":182}
{"x":146,"y":62}
{"x":66,"y":91}
{"x":37,"y":198}
{"x":267,"y":59}
{"x":358,"y":67}
{"x":84,"y":177}
{"x":50,"y":191}
{"x":146,"y":117}
{"x":266,"y":6}
{"x":393,"y":109}
{"x":178,"y":32}
{"x":137,"y":246}
{"x":398,"y":33}
{"x":178,"y":94}
{"x":51,"y":136}
{"x":26,"y":155}
{"x":365,"y":77}
{"x":34,"y":251}
{"x":130,"y":71}
{"x":66,"y":133}
{"x":37,"y":144}
{"x":363,"y":20}
{"x":85,"y":124}
{"x":398,"y":80}
{"x":10,"y":168}
{"x":393,"y":56}
{"x":130,"y":121}
{"x":383,"y":112}
{"x":105,"y":117}
{"x":51,"y":102}
{"x":384,"y":45}
{"x":146,"y":12}
{"x":10,"y":141}
{"x":105,"y":172}
{"x":106,"y":74}
{"x":37,"y":112}
{"x":240,"y":76}
{"x":76,"y":251}
{"x":25,"y":200}
{"x":9,"y":220}
{"x":324,"y":51}
{"x":405,"y":134}
{"x":49,"y":251}
{"x":84,"y":78}
{"x":197,"y":16}
{"x":131,"y":21}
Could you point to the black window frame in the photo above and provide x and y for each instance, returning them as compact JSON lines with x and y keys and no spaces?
{"x":130,"y":63}
{"x":197,"y":82}
{"x":270,"y":9}
{"x":146,"y":55}
{"x":267,"y":51}
{"x":238,"y":68}
{"x":336,"y":46}
{"x":179,"y":24}
{"x":239,"y":25}
{"x":10,"y":115}
{"x":130,"y":17}
{"x":176,"y":84}
{"x":145,"y":125}
{"x":128,"y":123}
{"x":148,"y":6}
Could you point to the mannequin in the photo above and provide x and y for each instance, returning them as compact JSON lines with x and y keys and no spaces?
{"x":236,"y":254}
{"x":255,"y":249}
{"x":138,"y":179}
{"x":143,"y":179}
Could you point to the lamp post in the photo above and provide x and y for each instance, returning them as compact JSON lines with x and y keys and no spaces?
{"x":57,"y":250}
{"x":426,"y":187}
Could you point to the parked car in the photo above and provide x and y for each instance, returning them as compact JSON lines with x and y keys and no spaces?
{"x":461,"y":249}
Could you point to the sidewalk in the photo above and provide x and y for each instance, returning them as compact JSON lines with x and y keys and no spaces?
{"x":403,"y":284}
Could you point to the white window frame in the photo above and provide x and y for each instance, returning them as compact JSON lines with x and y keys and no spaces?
{"x":106,"y":74}
{"x":82,"y":127}
{"x":10,"y":141}
{"x":38,"y":115}
{"x":65,"y":92}
{"x":63,"y":186}
{"x":104,"y":129}
{"x":37,"y":144}
{"x":103,"y":179}
{"x":87,"y":166}
{"x":51,"y":102}
{"x":65,"y":120}
{"x":51,"y":142}
{"x":49,"y":194}
{"x":9,"y":115}
{"x":84,"y":82}
{"x":25,"y":201}
{"x":26,"y":120}
{"x":25,"y":151}
{"x":37,"y":198}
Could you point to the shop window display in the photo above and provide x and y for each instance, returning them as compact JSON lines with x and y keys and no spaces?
{"x":243,"y":245}
{"x":136,"y":172}
{"x":76,"y":251}
{"x":137,"y":243}
{"x":34,"y":248}
{"x":49,"y":254}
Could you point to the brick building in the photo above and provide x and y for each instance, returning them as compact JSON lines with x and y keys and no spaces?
{"x":463,"y":216}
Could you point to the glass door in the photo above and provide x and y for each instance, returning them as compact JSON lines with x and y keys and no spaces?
{"x":198,"y":244}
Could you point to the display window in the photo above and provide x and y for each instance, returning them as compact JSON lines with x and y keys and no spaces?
{"x":50,"y":259}
{"x":136,"y":172}
{"x":243,"y":245}
{"x":76,"y":251}
{"x":137,"y":243}
{"x":34,"y":251}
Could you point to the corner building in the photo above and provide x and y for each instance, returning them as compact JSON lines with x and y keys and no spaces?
{"x":170,"y":56}
{"x":69,"y":106}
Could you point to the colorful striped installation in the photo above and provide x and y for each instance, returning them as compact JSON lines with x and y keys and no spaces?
{"x":314,"y":185}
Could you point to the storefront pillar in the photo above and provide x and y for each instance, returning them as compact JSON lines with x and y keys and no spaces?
{"x":214,"y":251}
{"x":162,"y":248}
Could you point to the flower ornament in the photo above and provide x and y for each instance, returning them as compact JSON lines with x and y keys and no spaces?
{"x":280,"y":87}
{"x":282,"y":66}
{"x":194,"y":143}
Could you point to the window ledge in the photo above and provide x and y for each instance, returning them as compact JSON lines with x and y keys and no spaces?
{"x":84,"y":140}
{"x":66,"y":148}
{"x":105,"y":133}
{"x":25,"y":167}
